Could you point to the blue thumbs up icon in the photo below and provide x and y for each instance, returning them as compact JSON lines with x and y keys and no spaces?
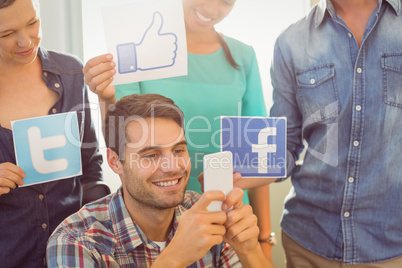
{"x":155,"y":50}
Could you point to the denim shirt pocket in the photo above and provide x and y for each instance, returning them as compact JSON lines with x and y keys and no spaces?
{"x":392,"y":79}
{"x":317,"y":92}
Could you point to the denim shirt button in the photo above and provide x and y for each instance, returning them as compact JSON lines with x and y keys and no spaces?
{"x":359,"y":70}
{"x":350,"y":35}
{"x":44,"y":226}
{"x":351,"y":179}
{"x":356,"y":143}
{"x":45,"y":74}
{"x":41,"y":197}
{"x":358,"y":108}
{"x":346,"y":214}
{"x":54,"y":110}
{"x":312,"y":81}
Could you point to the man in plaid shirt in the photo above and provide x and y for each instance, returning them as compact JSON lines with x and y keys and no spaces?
{"x":152,"y":220}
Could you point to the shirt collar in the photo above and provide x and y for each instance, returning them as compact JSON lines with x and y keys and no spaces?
{"x":47,"y":62}
{"x":325,"y":5}
{"x":396,"y":4}
{"x":128,"y":233}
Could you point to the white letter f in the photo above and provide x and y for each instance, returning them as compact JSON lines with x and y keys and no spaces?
{"x":263,"y":148}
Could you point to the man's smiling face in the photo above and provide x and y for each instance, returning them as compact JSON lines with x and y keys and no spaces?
{"x":157,"y":166}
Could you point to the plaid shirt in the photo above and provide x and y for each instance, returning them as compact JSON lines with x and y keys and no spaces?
{"x":102,"y":234}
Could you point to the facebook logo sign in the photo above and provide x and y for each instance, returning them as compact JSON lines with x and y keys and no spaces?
{"x":258,"y":145}
{"x":48,"y":148}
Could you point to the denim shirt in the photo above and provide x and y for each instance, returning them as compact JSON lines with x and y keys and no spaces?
{"x":28,"y":215}
{"x":345,"y":102}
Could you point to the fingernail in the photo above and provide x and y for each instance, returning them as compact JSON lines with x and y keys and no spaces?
{"x":224,"y":207}
{"x":109,"y":56}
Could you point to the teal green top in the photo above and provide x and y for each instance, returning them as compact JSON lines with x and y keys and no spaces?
{"x":212,"y":88}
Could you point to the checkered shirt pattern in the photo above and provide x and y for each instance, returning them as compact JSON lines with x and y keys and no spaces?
{"x":102,"y":234}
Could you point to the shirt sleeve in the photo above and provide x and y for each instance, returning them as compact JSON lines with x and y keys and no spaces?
{"x":253,"y":100}
{"x":285,"y":104}
{"x":228,"y":258}
{"x":64,"y":250}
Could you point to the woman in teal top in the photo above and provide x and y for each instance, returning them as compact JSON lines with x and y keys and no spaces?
{"x":212,"y":88}
{"x":223,"y":79}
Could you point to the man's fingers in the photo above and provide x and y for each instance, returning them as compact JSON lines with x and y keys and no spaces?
{"x":215,"y":229}
{"x":201,"y":181}
{"x":233,"y":199}
{"x":247,"y":234}
{"x":237,"y":214}
{"x":207,"y":198}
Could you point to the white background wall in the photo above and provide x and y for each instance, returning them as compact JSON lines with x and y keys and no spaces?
{"x":255,"y":22}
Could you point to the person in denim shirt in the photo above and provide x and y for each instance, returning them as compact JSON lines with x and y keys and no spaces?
{"x":337,"y":77}
{"x":36,"y":82}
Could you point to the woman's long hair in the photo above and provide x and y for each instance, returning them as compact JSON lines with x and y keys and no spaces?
{"x":228,"y":54}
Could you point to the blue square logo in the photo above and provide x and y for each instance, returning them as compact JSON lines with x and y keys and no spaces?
{"x":48,"y":147}
{"x":258,"y":145}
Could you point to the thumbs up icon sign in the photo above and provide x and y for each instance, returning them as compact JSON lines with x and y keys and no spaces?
{"x":155,"y":50}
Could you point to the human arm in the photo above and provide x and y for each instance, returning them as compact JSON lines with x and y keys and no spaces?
{"x":11,"y":175}
{"x":242,"y":231}
{"x":254,"y":105}
{"x":285,"y":103}
{"x":99,"y":72}
{"x":64,"y":250}
{"x":262,"y":209}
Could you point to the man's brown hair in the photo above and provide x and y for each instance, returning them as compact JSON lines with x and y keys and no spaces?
{"x":131,"y":108}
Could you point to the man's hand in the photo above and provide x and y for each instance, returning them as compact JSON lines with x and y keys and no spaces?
{"x":99,"y":72}
{"x":198,"y":231}
{"x":10,"y":176}
{"x":242,"y":231}
{"x":241,"y":225}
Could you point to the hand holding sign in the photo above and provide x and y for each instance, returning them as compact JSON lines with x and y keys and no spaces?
{"x":155,"y":50}
{"x":10,"y":176}
{"x":146,"y":38}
